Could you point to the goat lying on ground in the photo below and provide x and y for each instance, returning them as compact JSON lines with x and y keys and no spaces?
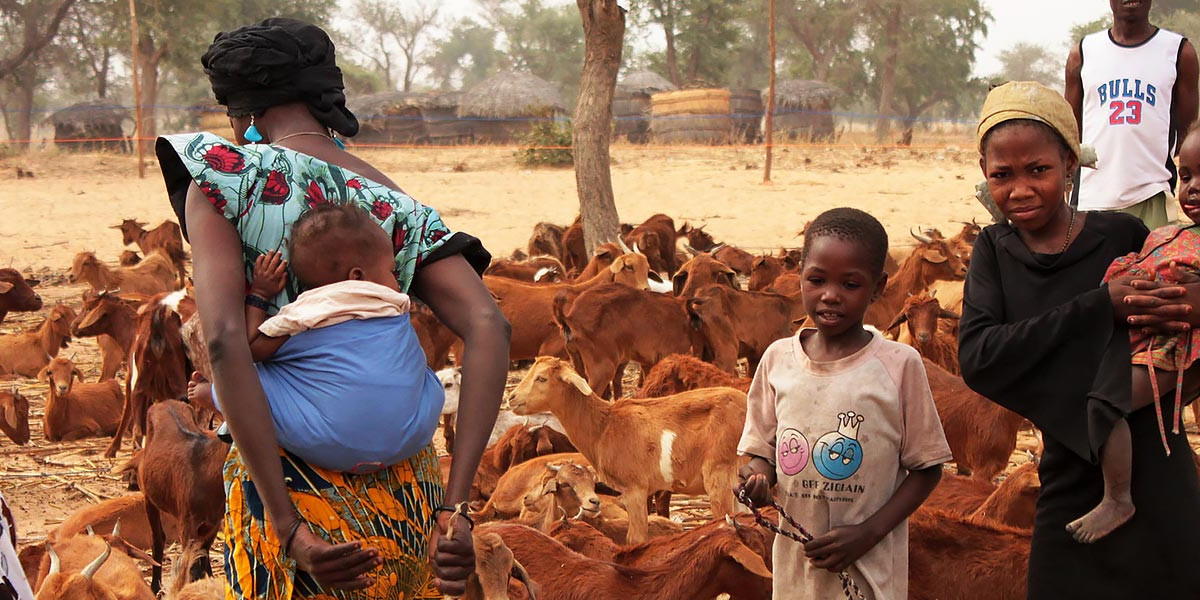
{"x":14,"y":416}
{"x":27,"y":353}
{"x":78,"y":410}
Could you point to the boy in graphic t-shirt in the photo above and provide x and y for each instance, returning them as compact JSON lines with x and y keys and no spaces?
{"x":842,"y":424}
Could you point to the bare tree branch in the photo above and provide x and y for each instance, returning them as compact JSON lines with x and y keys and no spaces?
{"x":34,"y":40}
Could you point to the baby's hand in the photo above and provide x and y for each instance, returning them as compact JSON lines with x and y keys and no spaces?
{"x":270,"y":275}
{"x":838,"y":548}
{"x":1183,"y":275}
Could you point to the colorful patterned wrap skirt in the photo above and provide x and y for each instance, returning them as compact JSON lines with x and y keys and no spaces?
{"x":390,"y":510}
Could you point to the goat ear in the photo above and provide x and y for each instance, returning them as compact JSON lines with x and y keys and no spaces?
{"x":678,"y":281}
{"x":743,"y":555}
{"x":77,"y":374}
{"x":5,"y":287}
{"x":898,"y":321}
{"x":89,"y":320}
{"x":580,"y":384}
{"x":948,"y":314}
{"x":616,"y":267}
{"x":933,"y":256}
{"x":518,"y":571}
{"x":44,"y":375}
{"x":10,"y":414}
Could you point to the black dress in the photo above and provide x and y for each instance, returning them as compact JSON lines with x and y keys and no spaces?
{"x":1038,"y":337}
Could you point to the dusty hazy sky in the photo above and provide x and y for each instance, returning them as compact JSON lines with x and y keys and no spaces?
{"x":1045,"y":22}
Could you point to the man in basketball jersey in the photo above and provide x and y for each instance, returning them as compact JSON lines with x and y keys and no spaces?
{"x":1134,"y":91}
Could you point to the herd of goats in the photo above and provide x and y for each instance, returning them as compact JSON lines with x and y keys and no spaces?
{"x":573,"y":496}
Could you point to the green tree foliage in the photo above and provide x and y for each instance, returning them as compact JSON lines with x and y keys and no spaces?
{"x":541,"y":39}
{"x":465,"y":55}
{"x":922,"y":53}
{"x":700,"y":37}
{"x":389,"y":34}
{"x":1031,"y":62}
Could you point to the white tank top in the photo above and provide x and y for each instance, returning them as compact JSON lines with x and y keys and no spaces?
{"x":1127,"y":118}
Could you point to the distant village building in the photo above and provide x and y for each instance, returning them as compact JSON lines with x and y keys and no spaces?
{"x":507,"y":105}
{"x":91,"y":126}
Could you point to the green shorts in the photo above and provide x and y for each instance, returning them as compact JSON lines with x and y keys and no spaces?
{"x":1152,"y":212}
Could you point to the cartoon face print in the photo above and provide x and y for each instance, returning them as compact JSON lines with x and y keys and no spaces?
{"x":792,"y":451}
{"x":837,"y":454}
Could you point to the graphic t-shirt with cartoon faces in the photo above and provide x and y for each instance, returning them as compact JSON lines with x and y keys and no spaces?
{"x":842,"y":436}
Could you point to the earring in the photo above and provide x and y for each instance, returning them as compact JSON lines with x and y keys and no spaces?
{"x":340,"y":144}
{"x":252,"y":134}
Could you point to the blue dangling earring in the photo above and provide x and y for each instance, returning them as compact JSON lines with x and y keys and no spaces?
{"x":336,"y":140}
{"x":252,"y":135}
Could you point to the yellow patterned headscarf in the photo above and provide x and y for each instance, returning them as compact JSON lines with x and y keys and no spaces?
{"x":1033,"y":101}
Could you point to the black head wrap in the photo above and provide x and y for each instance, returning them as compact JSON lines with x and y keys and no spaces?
{"x":278,"y":61}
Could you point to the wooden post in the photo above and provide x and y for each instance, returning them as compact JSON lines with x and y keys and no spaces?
{"x":770,"y":133}
{"x":137,"y":91}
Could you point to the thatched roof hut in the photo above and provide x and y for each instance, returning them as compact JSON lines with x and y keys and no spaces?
{"x":508,"y":104}
{"x":443,"y":127}
{"x":100,"y":124}
{"x":389,"y":117}
{"x":645,"y":82}
{"x":803,"y":108}
{"x":631,"y":104}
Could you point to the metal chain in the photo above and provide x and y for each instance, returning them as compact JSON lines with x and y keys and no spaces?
{"x":801,"y":535}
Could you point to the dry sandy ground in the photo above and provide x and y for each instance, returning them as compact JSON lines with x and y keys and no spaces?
{"x":73,"y":199}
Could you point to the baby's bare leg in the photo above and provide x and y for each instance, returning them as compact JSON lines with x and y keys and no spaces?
{"x":1116,"y":463}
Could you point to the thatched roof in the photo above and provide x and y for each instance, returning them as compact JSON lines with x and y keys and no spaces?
{"x":511,"y":94}
{"x":804,"y":93}
{"x":645,"y":82}
{"x":92,"y":112}
{"x":390,"y":103}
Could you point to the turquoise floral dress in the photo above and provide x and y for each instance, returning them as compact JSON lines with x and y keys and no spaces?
{"x":262,"y":190}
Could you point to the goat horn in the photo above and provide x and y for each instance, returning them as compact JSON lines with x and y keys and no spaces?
{"x":622,"y":246}
{"x":116,"y":532}
{"x":88,"y":529}
{"x":924,"y":239}
{"x":55,"y":564}
{"x":554,"y":468}
{"x":691,"y":250}
{"x":579,"y":515}
{"x":90,"y":570}
{"x":635,"y":249}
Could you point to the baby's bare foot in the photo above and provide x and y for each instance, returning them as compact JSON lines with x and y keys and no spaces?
{"x":1101,"y":521}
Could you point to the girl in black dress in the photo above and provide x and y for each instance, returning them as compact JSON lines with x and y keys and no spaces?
{"x":1041,"y":336}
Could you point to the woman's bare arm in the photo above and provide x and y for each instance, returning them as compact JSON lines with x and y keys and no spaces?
{"x":220,"y":287}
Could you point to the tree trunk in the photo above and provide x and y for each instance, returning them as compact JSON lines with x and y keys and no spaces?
{"x":668,"y":25}
{"x":148,"y":59}
{"x":604,"y":32}
{"x":887,"y":81}
{"x":408,"y":70}
{"x":21,"y":126}
{"x":34,"y":40}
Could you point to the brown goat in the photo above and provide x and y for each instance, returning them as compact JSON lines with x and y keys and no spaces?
{"x":529,"y":308}
{"x":78,"y":410}
{"x":567,"y":470}
{"x":129,"y":510}
{"x":703,"y":567}
{"x":27,"y":353}
{"x":180,"y":474}
{"x":679,"y":373}
{"x":981,"y":433}
{"x":921,"y":312}
{"x":159,"y":366}
{"x":606,"y":327}
{"x":156,"y":273}
{"x":84,"y":567}
{"x":14,"y":416}
{"x":574,"y":256}
{"x":685,"y":443}
{"x":436,"y":339}
{"x":112,"y":319}
{"x":518,"y":445}
{"x":736,"y":324}
{"x":535,"y":269}
{"x":1011,"y":503}
{"x":932,"y":260}
{"x":547,"y":239}
{"x":128,"y":258}
{"x":763,"y":272}
{"x":739,"y":260}
{"x":165,"y":238}
{"x":697,"y":238}
{"x":602,"y":258}
{"x":655,"y":238}
{"x":16,"y":293}
{"x":952,"y":557}
{"x":494,"y":565}
{"x":700,"y":271}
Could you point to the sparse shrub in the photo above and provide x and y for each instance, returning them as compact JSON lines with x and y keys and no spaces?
{"x":546,"y":145}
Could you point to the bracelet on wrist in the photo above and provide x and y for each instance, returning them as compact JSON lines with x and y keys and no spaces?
{"x":461,"y":512}
{"x":287,"y":545}
{"x":257,"y":301}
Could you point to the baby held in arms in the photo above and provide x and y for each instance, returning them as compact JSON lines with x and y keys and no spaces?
{"x":341,"y":367}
